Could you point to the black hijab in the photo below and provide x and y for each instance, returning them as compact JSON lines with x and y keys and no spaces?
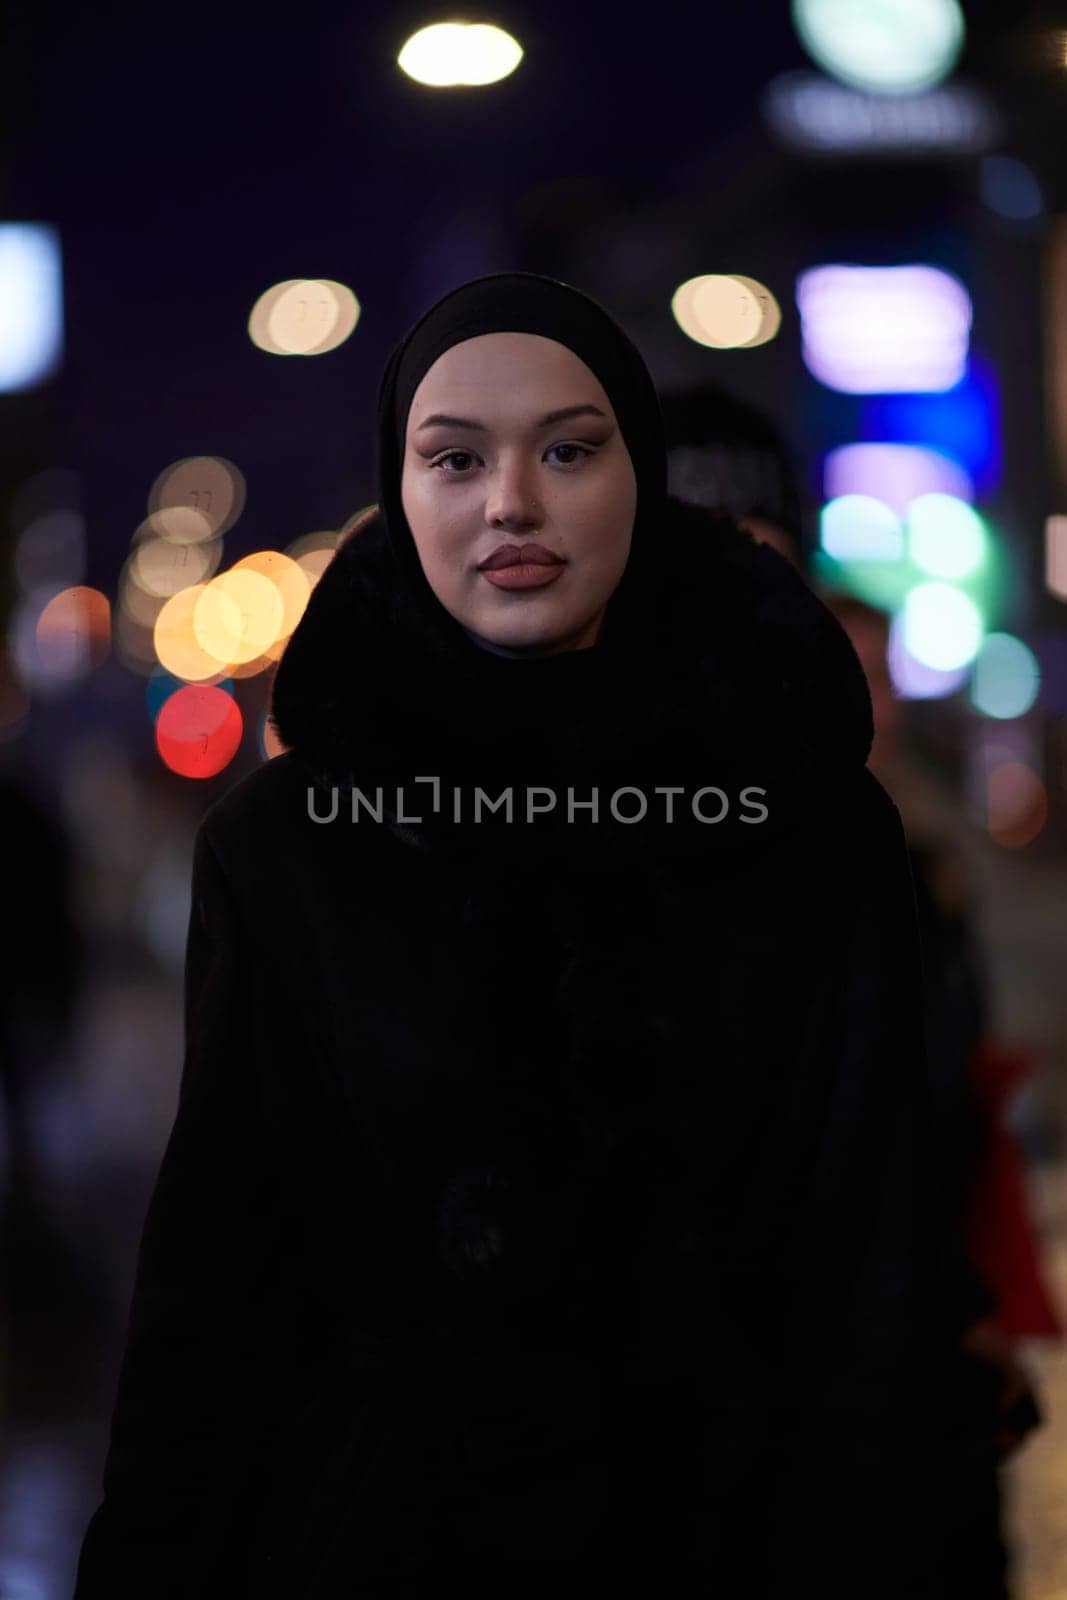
{"x":526,"y":302}
{"x":481,"y":716}
{"x":628,"y":710}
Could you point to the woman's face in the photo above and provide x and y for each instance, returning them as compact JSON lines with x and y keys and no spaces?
{"x":501,"y":470}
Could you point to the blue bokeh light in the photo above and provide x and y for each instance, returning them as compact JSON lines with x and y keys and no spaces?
{"x":963,"y":422}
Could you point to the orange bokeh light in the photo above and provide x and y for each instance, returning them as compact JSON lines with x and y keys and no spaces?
{"x":74,"y":632}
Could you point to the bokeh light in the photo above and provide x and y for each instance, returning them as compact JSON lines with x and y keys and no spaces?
{"x":812,"y":112}
{"x":1009,"y":188}
{"x":892,"y":47}
{"x":196,"y":498}
{"x":881,"y":330}
{"x":857,"y":527}
{"x":176,"y":645}
{"x":1017,"y":804}
{"x":1056,"y":556}
{"x":140,"y":606}
{"x":31,"y":304}
{"x":60,"y":637}
{"x":459,"y":54}
{"x":303,"y":317}
{"x":867,"y":550}
{"x":160,"y":568}
{"x":51,"y":549}
{"x":237,"y":616}
{"x":964,"y":422}
{"x":942,"y":626}
{"x":313,"y":552}
{"x":294,"y":580}
{"x":134,"y":642}
{"x":288,"y":577}
{"x":198,"y":730}
{"x":1006,"y":677}
{"x":48,"y":528}
{"x":314,"y":560}
{"x":894,"y":473}
{"x":915,"y":680}
{"x":726,"y":311}
{"x":946,"y":536}
{"x":162,"y":684}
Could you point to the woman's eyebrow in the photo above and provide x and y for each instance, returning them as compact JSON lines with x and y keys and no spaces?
{"x":440,"y":419}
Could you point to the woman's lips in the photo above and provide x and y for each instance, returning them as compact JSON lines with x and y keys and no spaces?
{"x":529,"y":575}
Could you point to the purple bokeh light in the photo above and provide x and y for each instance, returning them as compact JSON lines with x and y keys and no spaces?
{"x":896,"y":474}
{"x":884,"y":330}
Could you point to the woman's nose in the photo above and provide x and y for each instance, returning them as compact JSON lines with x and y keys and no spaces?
{"x":512,"y":500}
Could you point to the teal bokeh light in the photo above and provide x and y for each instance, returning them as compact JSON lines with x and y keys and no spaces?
{"x":892,"y":47}
{"x":1006,"y":677}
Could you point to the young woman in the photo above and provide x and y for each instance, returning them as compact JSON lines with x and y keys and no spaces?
{"x":548,"y":1194}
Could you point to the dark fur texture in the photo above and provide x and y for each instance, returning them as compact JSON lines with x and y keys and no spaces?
{"x":733,"y":668}
{"x":368,"y":671}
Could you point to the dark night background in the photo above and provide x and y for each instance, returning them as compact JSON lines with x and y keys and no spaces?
{"x":191,"y":156}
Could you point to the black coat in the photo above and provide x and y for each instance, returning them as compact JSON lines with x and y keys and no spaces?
{"x":684,"y":1308}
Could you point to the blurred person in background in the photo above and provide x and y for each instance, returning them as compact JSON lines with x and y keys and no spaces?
{"x":971,"y":1071}
{"x":726,"y":454}
{"x":549,"y":1196}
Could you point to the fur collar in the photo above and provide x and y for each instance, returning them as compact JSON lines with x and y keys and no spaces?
{"x":733,"y":652}
{"x":366,"y":691}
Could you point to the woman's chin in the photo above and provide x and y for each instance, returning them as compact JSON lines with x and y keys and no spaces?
{"x":529,"y":640}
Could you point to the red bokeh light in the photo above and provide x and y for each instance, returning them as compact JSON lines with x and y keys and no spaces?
{"x":198,"y":730}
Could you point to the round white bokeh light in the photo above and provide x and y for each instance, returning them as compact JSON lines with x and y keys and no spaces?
{"x":894,"y":47}
{"x":942,"y":626}
{"x":946,"y":536}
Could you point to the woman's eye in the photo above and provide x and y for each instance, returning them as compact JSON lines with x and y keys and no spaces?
{"x":464,"y":455}
{"x":579,"y":447}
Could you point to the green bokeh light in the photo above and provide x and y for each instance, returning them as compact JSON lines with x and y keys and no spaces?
{"x":946,"y":536}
